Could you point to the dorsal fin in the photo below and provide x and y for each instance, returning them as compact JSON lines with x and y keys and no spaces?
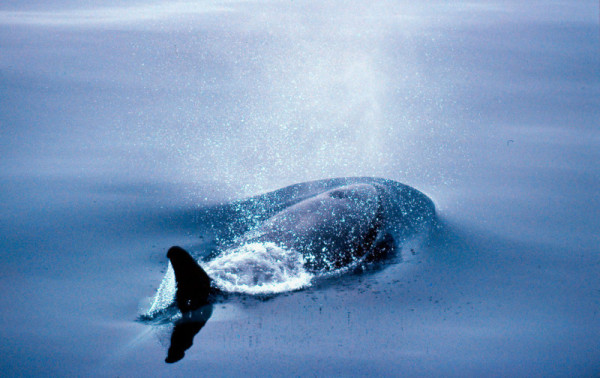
{"x":193,"y":284}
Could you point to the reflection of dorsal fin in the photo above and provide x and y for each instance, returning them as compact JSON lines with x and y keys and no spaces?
{"x":193,"y":284}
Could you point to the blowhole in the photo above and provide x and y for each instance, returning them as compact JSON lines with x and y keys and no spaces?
{"x":339,"y":194}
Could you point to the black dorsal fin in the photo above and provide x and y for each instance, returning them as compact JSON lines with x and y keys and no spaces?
{"x":193,"y":284}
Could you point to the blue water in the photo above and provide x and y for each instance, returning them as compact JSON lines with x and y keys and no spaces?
{"x":120,"y":124}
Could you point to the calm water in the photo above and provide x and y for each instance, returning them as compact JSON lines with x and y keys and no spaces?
{"x":119,"y":125}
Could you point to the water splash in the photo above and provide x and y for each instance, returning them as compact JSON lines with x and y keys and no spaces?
{"x":259,"y":268}
{"x":165,"y":295}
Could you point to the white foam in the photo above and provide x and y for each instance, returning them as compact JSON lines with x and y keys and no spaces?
{"x":259,"y":268}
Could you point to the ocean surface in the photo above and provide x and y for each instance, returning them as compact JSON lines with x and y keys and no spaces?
{"x":122,"y":126}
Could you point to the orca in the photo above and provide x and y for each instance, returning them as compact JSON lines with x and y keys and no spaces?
{"x":338,"y":227}
{"x":333,"y":224}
